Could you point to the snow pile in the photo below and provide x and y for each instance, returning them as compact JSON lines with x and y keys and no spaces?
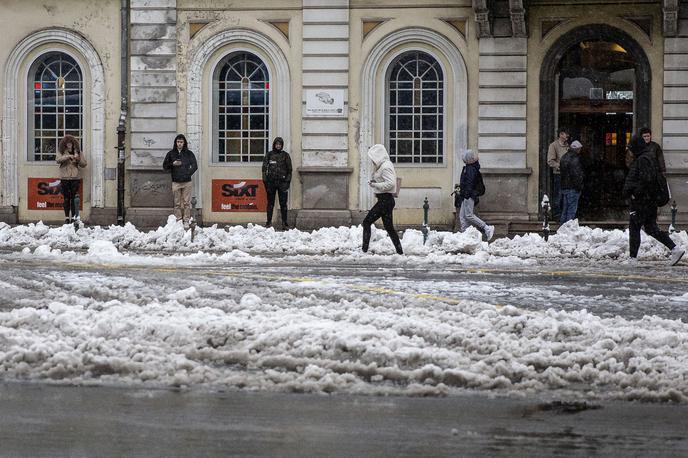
{"x":325,"y":336}
{"x":571,"y":240}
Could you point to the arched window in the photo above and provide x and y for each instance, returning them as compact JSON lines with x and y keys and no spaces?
{"x":56,"y":104}
{"x":241,"y":98}
{"x":415,"y":107}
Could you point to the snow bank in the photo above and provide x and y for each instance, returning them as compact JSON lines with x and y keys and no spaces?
{"x":571,"y":241}
{"x":324,"y":337}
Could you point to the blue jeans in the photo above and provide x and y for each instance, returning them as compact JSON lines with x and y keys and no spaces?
{"x":570,"y":204}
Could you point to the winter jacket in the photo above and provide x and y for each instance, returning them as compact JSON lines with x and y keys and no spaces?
{"x":277,"y":166}
{"x":572,"y":174}
{"x":69,"y":168}
{"x":637,"y":144}
{"x":554,"y":154}
{"x":384,"y":177}
{"x":469,"y":175}
{"x":184,"y":172}
{"x":640,"y":179}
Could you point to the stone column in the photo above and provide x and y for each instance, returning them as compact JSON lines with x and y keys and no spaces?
{"x":502,"y":125}
{"x":325,"y":167}
{"x":675,"y":113}
{"x":152,"y":108}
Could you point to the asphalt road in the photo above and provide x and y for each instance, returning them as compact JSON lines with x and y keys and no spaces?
{"x":40,"y":420}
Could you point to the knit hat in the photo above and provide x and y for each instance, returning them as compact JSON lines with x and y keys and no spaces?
{"x":576,"y":145}
{"x":469,"y":156}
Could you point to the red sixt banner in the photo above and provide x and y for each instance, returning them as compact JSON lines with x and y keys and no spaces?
{"x":239,"y":196}
{"x":44,"y":194}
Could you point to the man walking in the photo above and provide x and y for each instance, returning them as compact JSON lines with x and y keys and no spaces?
{"x":556,"y":150}
{"x":181,"y":162}
{"x":640,"y":188}
{"x":572,"y":178}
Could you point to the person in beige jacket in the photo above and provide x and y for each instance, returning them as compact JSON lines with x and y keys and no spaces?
{"x":71,"y":160}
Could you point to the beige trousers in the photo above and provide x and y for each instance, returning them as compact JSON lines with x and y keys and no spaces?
{"x":182,"y":200}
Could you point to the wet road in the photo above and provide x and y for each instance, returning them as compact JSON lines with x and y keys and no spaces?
{"x":46,"y":420}
{"x":606,"y":290}
{"x":39,"y":420}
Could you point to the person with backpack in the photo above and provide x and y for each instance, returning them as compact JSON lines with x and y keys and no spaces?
{"x":277,"y":179}
{"x":647,"y":189}
{"x":180,"y":161}
{"x":384,"y":184}
{"x":572,"y":179}
{"x":472,"y":187}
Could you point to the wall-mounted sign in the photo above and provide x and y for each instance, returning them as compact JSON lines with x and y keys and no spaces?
{"x":239,"y":196}
{"x":44,"y":194}
{"x":325,"y":102}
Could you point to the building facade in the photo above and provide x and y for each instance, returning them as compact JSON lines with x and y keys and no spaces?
{"x":426,"y":78}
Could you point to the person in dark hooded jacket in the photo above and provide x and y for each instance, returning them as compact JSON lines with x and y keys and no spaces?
{"x":469,"y":193}
{"x":639,"y":185}
{"x":181,"y":162}
{"x":277,"y":179}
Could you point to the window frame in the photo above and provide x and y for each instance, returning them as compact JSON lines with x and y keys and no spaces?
{"x":214,"y":114}
{"x":30,"y":101}
{"x":442,"y":110}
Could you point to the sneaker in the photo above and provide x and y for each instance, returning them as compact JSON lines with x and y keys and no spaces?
{"x":676,"y":255}
{"x":68,"y":221}
{"x":268,"y":224}
{"x":489,"y":232}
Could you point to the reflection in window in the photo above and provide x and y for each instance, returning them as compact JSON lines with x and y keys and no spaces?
{"x":242,"y":109}
{"x":55,"y":103}
{"x":415,"y":109}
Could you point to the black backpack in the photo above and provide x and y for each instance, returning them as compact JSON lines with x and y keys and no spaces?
{"x":479,"y":184}
{"x":657,"y":186}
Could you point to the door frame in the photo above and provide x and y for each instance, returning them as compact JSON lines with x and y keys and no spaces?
{"x":548,"y":86}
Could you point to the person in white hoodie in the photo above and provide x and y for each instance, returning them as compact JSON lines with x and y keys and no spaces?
{"x":384,"y":184}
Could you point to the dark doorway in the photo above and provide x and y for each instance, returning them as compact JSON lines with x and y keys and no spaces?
{"x":595,"y":82}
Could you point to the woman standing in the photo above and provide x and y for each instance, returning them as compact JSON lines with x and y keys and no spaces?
{"x":384,"y":184}
{"x":71,"y":161}
{"x":277,"y":179}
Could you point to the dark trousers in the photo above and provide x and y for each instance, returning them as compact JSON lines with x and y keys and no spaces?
{"x":69,"y":189}
{"x":383,"y":208}
{"x":556,"y":201}
{"x":282,"y":190}
{"x":647,"y":219}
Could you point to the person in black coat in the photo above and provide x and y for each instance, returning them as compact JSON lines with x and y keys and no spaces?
{"x":572,"y":179}
{"x":277,"y":179}
{"x":181,"y":162}
{"x":640,"y":181}
{"x":469,"y":193}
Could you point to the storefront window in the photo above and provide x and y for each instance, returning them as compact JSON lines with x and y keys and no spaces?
{"x":415,"y":107}
{"x":242,"y":109}
{"x":55,"y":104}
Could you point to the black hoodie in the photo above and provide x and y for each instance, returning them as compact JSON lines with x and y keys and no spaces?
{"x":277,"y":165}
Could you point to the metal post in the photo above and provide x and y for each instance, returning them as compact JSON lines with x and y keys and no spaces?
{"x":545,"y":211}
{"x":124,"y":94}
{"x":192,"y":223}
{"x":674,"y":211}
{"x":425,"y":229}
{"x":121,"y":135}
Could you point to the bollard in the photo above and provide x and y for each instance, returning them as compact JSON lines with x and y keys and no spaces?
{"x":75,"y":216}
{"x":425,"y":229}
{"x":545,"y":211}
{"x":674,"y":211}
{"x":192,"y":223}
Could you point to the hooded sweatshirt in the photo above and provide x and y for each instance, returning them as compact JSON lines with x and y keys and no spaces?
{"x":384,"y":178}
{"x":277,"y":164}
{"x":469,"y":175}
